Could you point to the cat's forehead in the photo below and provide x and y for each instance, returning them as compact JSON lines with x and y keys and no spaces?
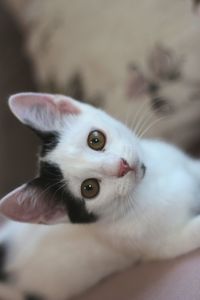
{"x":93,"y":119}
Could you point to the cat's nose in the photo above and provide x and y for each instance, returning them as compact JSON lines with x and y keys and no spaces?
{"x":124,"y":168}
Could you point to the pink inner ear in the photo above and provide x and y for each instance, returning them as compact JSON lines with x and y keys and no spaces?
{"x":31,"y":99}
{"x":22,"y":104}
{"x":67,"y":107}
{"x":25,"y":204}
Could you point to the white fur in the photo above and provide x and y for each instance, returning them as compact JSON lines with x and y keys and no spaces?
{"x":154,"y":217}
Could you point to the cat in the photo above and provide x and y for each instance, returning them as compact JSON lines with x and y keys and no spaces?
{"x":113,"y":198}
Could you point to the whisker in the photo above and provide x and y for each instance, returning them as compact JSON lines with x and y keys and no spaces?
{"x":140,"y":109}
{"x":141,"y":120}
{"x":49,"y":187}
{"x":130,"y":202}
{"x":59,"y":188}
{"x":145,"y":123}
{"x":137,"y":116}
{"x":151,"y":125}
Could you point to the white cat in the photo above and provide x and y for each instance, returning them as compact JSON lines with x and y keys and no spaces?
{"x":128,"y":200}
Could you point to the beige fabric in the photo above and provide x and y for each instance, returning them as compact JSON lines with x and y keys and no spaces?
{"x":87,"y":45}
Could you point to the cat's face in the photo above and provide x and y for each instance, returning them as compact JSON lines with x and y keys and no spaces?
{"x":89,"y":167}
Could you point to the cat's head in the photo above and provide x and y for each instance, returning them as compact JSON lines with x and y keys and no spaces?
{"x":89,"y":165}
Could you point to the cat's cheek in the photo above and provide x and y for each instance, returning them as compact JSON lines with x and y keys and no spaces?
{"x":126,"y":185}
{"x":141,"y":173}
{"x":136,"y":176}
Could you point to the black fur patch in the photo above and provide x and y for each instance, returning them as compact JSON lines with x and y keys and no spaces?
{"x":51,"y":179}
{"x":30,"y":296}
{"x":49,"y":141}
{"x":49,"y":138}
{"x":3,"y":275}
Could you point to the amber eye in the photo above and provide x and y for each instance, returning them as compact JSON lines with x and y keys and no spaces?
{"x":96,"y":140}
{"x":90,"y":188}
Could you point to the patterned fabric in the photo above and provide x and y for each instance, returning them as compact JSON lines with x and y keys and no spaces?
{"x":139,"y":60}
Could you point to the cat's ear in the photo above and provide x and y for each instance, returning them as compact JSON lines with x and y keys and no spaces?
{"x":29,"y":203}
{"x":43,"y":112}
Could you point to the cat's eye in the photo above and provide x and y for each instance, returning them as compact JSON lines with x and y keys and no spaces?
{"x":90,"y":188}
{"x":96,"y":140}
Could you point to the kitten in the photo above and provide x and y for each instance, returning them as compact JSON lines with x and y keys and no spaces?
{"x":115,"y":199}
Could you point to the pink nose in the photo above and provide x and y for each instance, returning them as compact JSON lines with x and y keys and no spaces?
{"x":124,"y":168}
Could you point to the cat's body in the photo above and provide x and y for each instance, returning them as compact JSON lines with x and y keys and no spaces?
{"x":146,"y":206}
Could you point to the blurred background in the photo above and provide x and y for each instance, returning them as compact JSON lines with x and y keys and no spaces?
{"x":138,"y":60}
{"x":17,"y":145}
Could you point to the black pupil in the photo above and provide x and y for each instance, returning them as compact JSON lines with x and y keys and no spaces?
{"x":88,"y":187}
{"x":95,"y":140}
